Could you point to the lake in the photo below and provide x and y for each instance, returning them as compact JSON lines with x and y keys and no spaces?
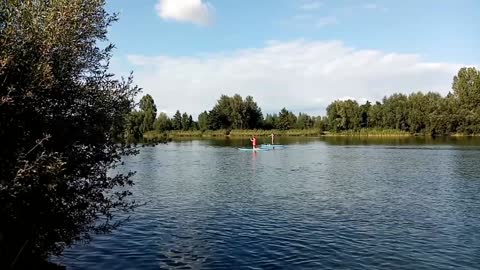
{"x":340,"y":202}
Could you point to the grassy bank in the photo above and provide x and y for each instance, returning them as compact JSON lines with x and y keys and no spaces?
{"x":155,"y":135}
{"x":465,"y":135}
{"x":152,"y":135}
{"x":236,"y":133}
{"x":371,"y":133}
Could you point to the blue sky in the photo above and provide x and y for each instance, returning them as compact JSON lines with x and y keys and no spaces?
{"x":185,"y":46}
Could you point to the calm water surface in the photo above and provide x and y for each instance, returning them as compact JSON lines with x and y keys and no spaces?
{"x":321,"y":203}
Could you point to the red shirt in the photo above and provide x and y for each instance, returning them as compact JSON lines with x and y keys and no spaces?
{"x":254,"y":141}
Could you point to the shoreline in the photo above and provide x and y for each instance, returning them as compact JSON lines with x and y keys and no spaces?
{"x":155,"y":135}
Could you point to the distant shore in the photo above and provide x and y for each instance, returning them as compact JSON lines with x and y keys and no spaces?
{"x":156,"y":135}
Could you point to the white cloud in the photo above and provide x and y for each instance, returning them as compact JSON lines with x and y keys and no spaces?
{"x":194,"y":11}
{"x":303,"y":76}
{"x":311,"y":5}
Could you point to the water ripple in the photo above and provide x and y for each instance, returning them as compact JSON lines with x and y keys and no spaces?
{"x":311,"y":206}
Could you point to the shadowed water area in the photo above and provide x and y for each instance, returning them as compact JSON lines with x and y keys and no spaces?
{"x":350,"y":203}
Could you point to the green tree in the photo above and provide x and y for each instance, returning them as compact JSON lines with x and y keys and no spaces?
{"x":163,"y":122}
{"x":422,"y":109}
{"x":214,"y":118}
{"x":466,"y":89}
{"x":396,"y":112}
{"x":320,"y":123}
{"x":221,"y":113}
{"x":186,"y":124}
{"x":133,"y":129}
{"x":270,"y":121}
{"x":149,"y":110}
{"x":449,"y":108}
{"x":203,"y":121}
{"x":417,"y":113}
{"x":236,"y":112}
{"x":142,"y":120}
{"x":177,"y":121}
{"x":364,"y":109}
{"x":286,"y":120}
{"x":252,"y":114}
{"x":440,"y":116}
{"x":376,"y":116}
{"x":343,"y":115}
{"x":59,"y":108}
{"x":192,"y":124}
{"x":304,"y":121}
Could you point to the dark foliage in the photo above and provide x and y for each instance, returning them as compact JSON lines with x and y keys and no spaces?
{"x":61,"y":114}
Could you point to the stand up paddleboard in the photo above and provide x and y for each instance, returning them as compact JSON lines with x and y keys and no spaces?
{"x":251,"y":149}
{"x":272,"y":146}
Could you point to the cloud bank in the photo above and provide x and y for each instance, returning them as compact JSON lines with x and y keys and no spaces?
{"x":303,"y":76}
{"x":193,"y":11}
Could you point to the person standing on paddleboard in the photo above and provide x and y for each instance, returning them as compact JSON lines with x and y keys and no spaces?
{"x":272,"y":137}
{"x":254,"y":141}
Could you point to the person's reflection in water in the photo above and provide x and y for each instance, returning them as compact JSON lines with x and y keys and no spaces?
{"x":254,"y":161}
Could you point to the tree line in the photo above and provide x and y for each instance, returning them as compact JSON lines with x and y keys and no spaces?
{"x":418,"y":113}
{"x":228,"y":113}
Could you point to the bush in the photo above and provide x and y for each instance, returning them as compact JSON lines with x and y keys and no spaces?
{"x":61,"y":113}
